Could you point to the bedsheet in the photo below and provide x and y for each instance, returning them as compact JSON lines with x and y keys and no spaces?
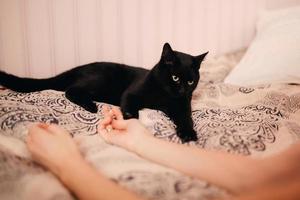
{"x":254,"y":121}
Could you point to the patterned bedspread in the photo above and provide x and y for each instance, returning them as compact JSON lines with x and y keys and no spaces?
{"x":255,"y":121}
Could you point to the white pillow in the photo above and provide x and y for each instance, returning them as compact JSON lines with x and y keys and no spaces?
{"x":274,"y":55}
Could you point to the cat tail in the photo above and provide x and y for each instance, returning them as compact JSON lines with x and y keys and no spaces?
{"x":19,"y":84}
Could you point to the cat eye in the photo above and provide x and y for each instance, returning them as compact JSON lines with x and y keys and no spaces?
{"x":190,"y":82}
{"x":175,"y":78}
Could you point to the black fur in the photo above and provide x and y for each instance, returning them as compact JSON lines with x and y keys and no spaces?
{"x":167,"y":87}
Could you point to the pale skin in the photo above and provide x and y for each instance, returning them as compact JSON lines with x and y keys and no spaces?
{"x":276,"y":177}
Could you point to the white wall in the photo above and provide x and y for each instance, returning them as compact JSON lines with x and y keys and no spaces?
{"x":40,"y":38}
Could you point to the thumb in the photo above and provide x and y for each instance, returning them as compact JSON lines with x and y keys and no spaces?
{"x":119,"y":124}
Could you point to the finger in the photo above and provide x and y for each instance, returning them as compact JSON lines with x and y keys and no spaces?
{"x":119,"y":124}
{"x":105,"y":109}
{"x":55,"y":129}
{"x":106,"y":121}
{"x":28,"y":140}
{"x":104,"y":135}
{"x":37,"y":136}
{"x":30,"y":145}
{"x":109,"y":128}
{"x":111,"y":113}
{"x":117,"y":113}
{"x":36,"y":129}
{"x":106,"y":127}
{"x":32,"y":126}
{"x":102,"y":125}
{"x":43,"y":125}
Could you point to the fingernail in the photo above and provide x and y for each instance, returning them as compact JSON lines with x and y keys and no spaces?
{"x":43,"y":125}
{"x":109,"y":128}
{"x":101,"y":127}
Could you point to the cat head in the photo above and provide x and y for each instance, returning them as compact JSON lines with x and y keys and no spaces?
{"x":177,"y":72}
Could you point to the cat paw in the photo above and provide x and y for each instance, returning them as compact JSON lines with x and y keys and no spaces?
{"x":127,"y":115}
{"x":91,"y":108}
{"x":188,"y":136}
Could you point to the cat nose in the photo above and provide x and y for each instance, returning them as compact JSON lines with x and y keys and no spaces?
{"x":181,"y":91}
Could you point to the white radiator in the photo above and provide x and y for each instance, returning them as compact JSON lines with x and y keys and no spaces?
{"x":40,"y":38}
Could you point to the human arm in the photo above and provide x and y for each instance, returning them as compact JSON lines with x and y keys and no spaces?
{"x":54,"y":148}
{"x":285,"y":190}
{"x":233,"y":172}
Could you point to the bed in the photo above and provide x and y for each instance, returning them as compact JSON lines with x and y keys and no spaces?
{"x":256,"y":120}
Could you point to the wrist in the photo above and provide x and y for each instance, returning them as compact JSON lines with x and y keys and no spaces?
{"x":139,"y":144}
{"x":67,"y":169}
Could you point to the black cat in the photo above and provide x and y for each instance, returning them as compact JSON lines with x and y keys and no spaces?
{"x":167,"y":87}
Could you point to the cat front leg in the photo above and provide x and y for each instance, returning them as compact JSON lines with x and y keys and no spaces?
{"x":130,"y":105}
{"x":184,"y":129}
{"x":181,"y":116}
{"x":186,"y":134}
{"x":82,"y":98}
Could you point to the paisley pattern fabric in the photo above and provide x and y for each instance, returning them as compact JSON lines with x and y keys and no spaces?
{"x":257,"y":121}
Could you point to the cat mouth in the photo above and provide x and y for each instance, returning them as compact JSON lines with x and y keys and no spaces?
{"x":177,"y":94}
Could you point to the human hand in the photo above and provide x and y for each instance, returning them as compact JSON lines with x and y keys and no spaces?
{"x":52,"y":147}
{"x":124,"y":133}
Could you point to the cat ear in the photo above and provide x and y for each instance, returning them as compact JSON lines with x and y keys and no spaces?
{"x":167,"y":55}
{"x":199,"y":60}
